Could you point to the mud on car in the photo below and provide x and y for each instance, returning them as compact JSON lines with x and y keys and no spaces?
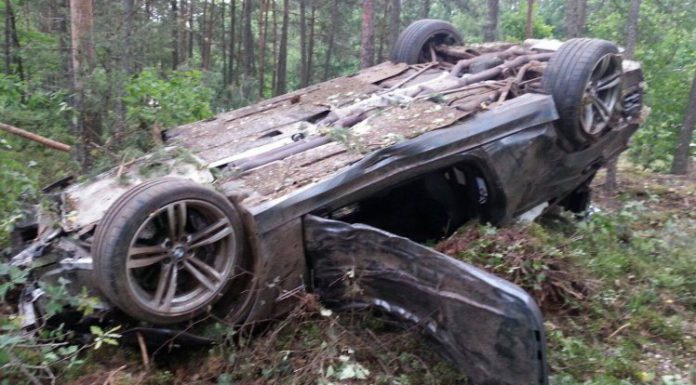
{"x":336,"y":186}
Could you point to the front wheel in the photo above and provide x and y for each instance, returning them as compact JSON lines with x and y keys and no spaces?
{"x":168,"y":250}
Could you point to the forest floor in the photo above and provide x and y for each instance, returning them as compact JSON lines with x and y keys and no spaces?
{"x":618,"y":291}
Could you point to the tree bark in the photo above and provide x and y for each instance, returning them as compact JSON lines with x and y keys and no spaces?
{"x":127,"y":58}
{"x":247,"y":39}
{"x":530,"y":19}
{"x":680,"y":164}
{"x":576,"y":15}
{"x":367,"y":46}
{"x":303,"y":44}
{"x":263,"y":29}
{"x":425,"y":9}
{"x":14,"y":39}
{"x":191,"y":36}
{"x":611,"y":183}
{"x":394,"y":22}
{"x":331,"y":39}
{"x":310,"y":46}
{"x":490,"y":28}
{"x":81,"y":24}
{"x":282,"y":69}
{"x":223,"y":43}
{"x":175,"y":34}
{"x":8,"y":39}
{"x":632,"y":29}
{"x":231,"y":78}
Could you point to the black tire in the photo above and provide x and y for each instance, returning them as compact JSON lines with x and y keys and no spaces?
{"x":417,"y":38}
{"x":118,"y":231}
{"x":570,"y":78}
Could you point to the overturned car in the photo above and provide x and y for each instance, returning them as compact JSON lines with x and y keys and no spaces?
{"x":333,"y":188}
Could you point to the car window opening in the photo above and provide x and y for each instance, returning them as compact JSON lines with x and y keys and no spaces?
{"x":425,"y":209}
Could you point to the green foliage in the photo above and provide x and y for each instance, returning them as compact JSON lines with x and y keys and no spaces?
{"x":514,"y":24}
{"x":17,"y":182}
{"x":180,"y":97}
{"x":667,"y":50}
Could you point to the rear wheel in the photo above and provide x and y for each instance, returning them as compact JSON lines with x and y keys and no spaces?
{"x":168,"y":250}
{"x":584,"y":77}
{"x":417,"y":41}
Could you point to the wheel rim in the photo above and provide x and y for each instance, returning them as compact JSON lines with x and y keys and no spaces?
{"x":601,"y":94}
{"x":436,"y":39}
{"x":181,"y":257}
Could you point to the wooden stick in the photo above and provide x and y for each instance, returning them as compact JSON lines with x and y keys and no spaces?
{"x":36,"y":138}
{"x":143,"y":350}
{"x":413,"y":76}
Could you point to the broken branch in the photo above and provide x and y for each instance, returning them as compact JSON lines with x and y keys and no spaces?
{"x":36,"y":138}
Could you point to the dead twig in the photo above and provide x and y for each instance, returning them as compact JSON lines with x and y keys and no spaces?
{"x":408,"y":79}
{"x":617,"y":331}
{"x":110,"y":378}
{"x":143,"y":350}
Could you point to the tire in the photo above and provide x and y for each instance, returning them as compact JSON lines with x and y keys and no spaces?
{"x":417,"y":38}
{"x":168,"y":231}
{"x":576,"y":77}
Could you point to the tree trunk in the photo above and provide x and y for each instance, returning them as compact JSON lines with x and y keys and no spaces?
{"x":8,"y":39}
{"x":183,"y":34}
{"x":127,"y":58}
{"x":14,"y":40}
{"x":680,"y":165}
{"x":263,"y":29}
{"x":223,"y":43}
{"x":205,"y":33}
{"x":330,"y":45}
{"x":191,"y":11}
{"x":282,"y":65}
{"x":631,"y":35}
{"x":231,"y":78}
{"x":303,"y":44}
{"x":274,"y":47}
{"x":175,"y":34}
{"x":425,"y":9}
{"x":632,"y":29}
{"x":310,"y":47}
{"x":367,"y":46}
{"x":530,"y":19}
{"x":81,"y":24}
{"x":576,"y":15}
{"x":381,"y":32}
{"x":394,"y":22}
{"x":490,"y":28}
{"x":247,"y":39}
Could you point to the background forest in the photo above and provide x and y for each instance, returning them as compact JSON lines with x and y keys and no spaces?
{"x":107,"y":76}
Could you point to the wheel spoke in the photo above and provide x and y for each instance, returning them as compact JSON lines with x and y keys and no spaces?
{"x":588,"y":120}
{"x":206,"y":268}
{"x":608,"y":82}
{"x":171,"y":222}
{"x":143,"y":262}
{"x":602,"y":108}
{"x":211,"y":234}
{"x":145,"y":250}
{"x":199,"y":276}
{"x":162,"y":282}
{"x":182,"y":219}
{"x":171,"y":289}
